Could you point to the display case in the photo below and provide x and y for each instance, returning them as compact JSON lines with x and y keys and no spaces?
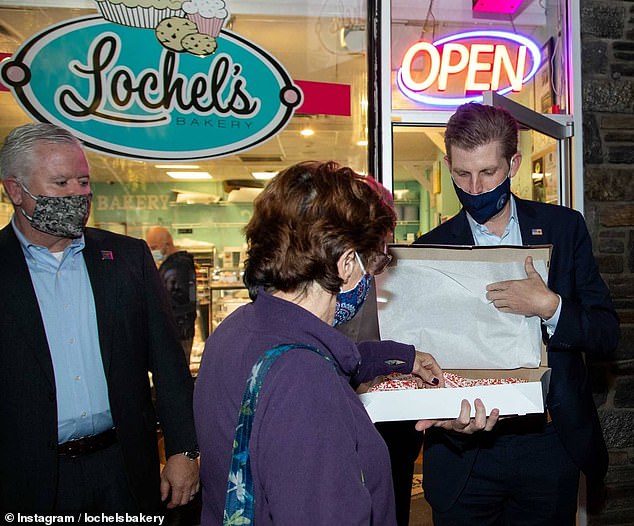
{"x":220,"y":291}
{"x":224,"y":299}
{"x":227,"y":290}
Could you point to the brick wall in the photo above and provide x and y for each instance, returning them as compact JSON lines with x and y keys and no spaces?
{"x":607,"y":35}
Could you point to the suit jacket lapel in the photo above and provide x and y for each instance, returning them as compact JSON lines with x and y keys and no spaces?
{"x":461,"y":230}
{"x":18,"y":287}
{"x":102,"y":272}
{"x":534,"y":230}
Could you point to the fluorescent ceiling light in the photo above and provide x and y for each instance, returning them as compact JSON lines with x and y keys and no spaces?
{"x":178,"y":166}
{"x":195,"y":197}
{"x":189,"y":175}
{"x":263,"y":175}
{"x":307,"y":132}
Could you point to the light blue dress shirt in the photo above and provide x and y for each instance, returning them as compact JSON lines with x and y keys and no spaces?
{"x":67,"y":305}
{"x":512,"y":235}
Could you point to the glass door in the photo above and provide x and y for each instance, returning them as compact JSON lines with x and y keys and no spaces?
{"x":421,"y":183}
{"x":435,"y":56}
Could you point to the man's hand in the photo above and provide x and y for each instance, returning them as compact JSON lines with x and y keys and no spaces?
{"x":464,"y":423}
{"x":179,"y":480}
{"x":530,"y":296}
{"x":428,"y":370}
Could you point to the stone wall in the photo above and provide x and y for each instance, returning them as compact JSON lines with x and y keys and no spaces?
{"x":607,"y":56}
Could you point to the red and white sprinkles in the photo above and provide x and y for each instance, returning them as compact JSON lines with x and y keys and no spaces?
{"x":397,"y":381}
{"x":455,"y":380}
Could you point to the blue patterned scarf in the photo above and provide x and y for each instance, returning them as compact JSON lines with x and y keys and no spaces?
{"x":239,"y":504}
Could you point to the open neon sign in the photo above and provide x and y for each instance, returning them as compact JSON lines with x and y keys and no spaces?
{"x":469,"y":62}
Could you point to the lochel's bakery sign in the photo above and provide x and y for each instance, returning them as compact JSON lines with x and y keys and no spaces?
{"x":153,"y":79}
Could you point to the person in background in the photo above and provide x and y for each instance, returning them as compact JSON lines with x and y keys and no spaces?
{"x":527,"y":470}
{"x":84,"y":317}
{"x":178,"y":271}
{"x":315,"y":241}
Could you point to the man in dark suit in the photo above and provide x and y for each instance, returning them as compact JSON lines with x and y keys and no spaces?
{"x":526,"y":471}
{"x":83,"y":318}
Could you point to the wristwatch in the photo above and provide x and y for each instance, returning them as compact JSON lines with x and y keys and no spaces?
{"x":192,"y":455}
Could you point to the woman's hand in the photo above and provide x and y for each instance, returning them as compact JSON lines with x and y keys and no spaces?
{"x":428,"y":370}
{"x":464,"y":423}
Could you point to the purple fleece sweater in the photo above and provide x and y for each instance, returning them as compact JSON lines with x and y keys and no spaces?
{"x":316,"y":457}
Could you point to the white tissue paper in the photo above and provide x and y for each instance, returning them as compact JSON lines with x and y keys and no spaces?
{"x":435,"y":299}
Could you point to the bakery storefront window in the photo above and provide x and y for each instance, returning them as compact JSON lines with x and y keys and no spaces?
{"x":205,"y":199}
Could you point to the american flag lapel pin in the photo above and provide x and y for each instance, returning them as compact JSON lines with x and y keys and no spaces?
{"x":536,"y":231}
{"x":107,"y":254}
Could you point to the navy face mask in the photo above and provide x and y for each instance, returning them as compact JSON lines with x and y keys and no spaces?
{"x":484,"y":206}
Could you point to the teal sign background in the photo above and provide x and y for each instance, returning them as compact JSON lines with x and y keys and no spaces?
{"x":122,"y":93}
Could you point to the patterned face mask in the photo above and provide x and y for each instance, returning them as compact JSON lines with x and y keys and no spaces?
{"x":349,"y":302}
{"x":59,"y":216}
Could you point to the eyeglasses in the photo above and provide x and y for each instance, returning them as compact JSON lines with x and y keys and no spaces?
{"x":377,"y":262}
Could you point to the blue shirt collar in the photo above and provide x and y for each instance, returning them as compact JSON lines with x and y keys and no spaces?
{"x":30,"y":248}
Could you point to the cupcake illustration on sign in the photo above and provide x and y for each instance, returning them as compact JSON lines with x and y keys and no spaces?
{"x":181,"y":26}
{"x":208,"y":15}
{"x":139,"y":13}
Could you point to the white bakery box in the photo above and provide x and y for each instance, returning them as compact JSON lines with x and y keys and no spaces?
{"x":434,"y":297}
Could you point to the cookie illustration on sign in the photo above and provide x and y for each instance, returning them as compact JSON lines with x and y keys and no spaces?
{"x":199,"y":44}
{"x":171,"y":32}
{"x":179,"y":25}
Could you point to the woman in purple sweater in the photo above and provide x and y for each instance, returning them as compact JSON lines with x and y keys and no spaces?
{"x":316,"y":238}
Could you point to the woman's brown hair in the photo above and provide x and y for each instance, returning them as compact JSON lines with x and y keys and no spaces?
{"x":306,"y":218}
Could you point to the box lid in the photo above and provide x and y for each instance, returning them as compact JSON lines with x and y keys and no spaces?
{"x":434,"y":297}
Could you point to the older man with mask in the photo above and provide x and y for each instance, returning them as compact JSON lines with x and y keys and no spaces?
{"x":84,"y":317}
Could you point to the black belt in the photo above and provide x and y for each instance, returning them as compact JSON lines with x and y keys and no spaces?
{"x":85,"y":445}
